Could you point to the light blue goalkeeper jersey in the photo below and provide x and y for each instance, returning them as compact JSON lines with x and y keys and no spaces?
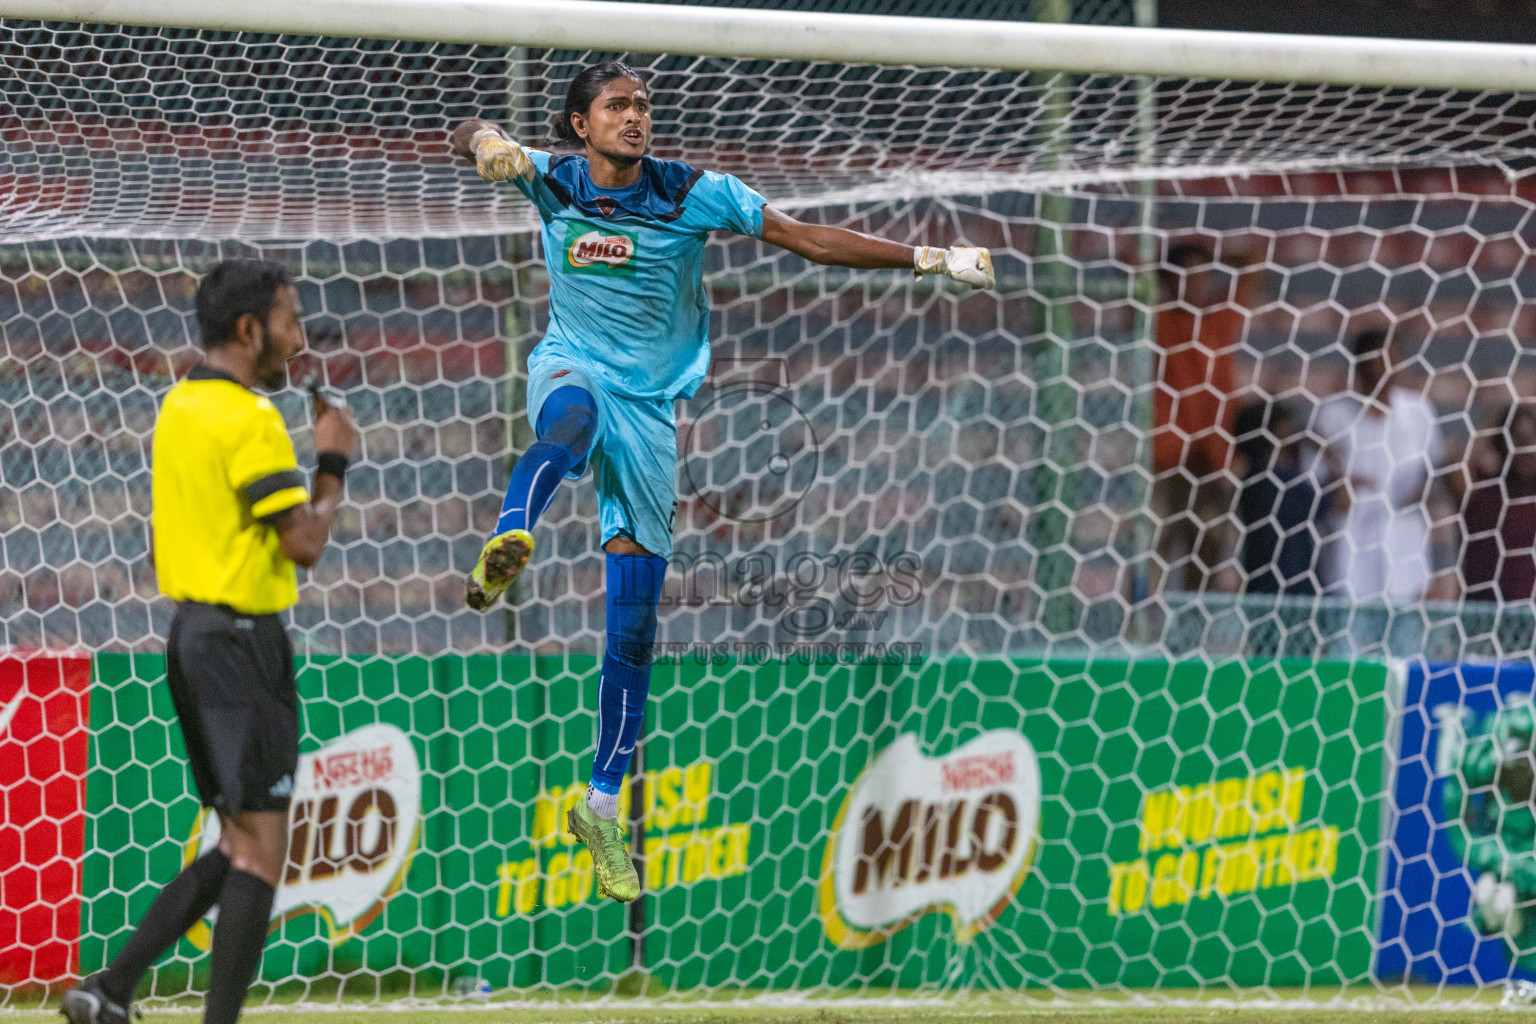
{"x":626,"y":288}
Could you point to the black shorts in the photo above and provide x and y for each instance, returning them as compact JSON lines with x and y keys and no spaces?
{"x":231,"y":678}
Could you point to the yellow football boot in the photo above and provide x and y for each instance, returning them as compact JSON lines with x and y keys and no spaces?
{"x":616,"y":875}
{"x":502,"y":558}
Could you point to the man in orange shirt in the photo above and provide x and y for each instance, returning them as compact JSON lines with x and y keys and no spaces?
{"x":1199,"y":326}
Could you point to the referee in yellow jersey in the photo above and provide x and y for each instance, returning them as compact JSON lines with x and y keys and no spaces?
{"x":232,"y":516}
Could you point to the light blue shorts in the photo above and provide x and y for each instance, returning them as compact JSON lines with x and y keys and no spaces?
{"x":633,"y":457}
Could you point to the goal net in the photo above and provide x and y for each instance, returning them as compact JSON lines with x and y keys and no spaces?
{"x":1037,"y":640}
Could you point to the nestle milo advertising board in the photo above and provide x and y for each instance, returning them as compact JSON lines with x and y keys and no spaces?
{"x":998,"y":823}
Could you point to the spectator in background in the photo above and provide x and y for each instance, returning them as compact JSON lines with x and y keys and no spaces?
{"x":1499,"y":563}
{"x":1382,"y":448}
{"x":1200,"y":322}
{"x":1278,"y":503}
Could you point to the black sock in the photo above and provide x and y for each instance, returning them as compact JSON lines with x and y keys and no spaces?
{"x":177,"y":908}
{"x":245,"y":907}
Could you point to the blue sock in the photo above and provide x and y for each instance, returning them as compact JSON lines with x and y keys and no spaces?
{"x":567,"y":424}
{"x":634,"y":590}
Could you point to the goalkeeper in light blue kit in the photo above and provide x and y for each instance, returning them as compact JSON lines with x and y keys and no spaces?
{"x":624,"y":239}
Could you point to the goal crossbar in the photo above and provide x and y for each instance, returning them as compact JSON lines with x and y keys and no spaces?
{"x":846,"y":38}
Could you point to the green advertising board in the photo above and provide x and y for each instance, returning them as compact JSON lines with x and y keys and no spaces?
{"x":1000,"y":823}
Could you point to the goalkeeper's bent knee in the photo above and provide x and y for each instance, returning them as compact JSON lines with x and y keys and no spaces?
{"x":569,"y":422}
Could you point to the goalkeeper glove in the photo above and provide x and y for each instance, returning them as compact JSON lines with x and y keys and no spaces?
{"x":499,"y":159}
{"x":964,"y":263}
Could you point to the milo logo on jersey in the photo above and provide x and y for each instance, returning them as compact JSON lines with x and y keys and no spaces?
{"x":920,"y":834}
{"x":353,"y":827}
{"x":605,"y":251}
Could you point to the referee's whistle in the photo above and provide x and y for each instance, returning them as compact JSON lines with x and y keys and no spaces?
{"x":322,"y":395}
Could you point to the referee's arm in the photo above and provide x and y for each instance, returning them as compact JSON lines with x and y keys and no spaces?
{"x":304,"y":529}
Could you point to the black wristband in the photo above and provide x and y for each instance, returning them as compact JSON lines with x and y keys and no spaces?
{"x":333,"y":463}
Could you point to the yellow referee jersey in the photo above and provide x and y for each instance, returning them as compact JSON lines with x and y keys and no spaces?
{"x":223,"y":467}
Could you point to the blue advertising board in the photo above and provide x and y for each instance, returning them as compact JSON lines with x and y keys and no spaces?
{"x":1459,"y":896}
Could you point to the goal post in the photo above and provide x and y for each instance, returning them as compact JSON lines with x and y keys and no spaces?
{"x":974,"y":673}
{"x":874,"y":39}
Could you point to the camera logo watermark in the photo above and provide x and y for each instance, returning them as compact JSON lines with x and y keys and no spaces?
{"x":750,"y":454}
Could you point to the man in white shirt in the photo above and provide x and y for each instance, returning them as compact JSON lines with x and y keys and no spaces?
{"x":1382,"y":448}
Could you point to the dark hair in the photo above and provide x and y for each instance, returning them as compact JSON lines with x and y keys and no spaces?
{"x":233,"y":289}
{"x":1256,"y":429}
{"x":1186,"y":254}
{"x":1368,"y":343}
{"x":1181,"y":256}
{"x":585,"y":88}
{"x":1502,"y":440}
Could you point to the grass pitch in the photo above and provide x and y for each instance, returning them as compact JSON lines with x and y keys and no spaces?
{"x":862,"y":1015}
{"x":1409,"y":1007}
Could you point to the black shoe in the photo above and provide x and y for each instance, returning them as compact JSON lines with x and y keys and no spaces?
{"x":86,"y":1003}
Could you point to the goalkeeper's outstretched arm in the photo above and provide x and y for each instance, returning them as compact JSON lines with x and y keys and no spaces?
{"x":840,"y":247}
{"x":499,"y":158}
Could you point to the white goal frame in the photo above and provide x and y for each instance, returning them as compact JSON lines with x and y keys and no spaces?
{"x":849,"y":38}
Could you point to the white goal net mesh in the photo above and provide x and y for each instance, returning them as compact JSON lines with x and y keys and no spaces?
{"x":220,"y":135}
{"x":1097,"y":572}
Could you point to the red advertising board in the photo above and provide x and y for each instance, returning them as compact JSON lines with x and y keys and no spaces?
{"x":44,"y":744}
